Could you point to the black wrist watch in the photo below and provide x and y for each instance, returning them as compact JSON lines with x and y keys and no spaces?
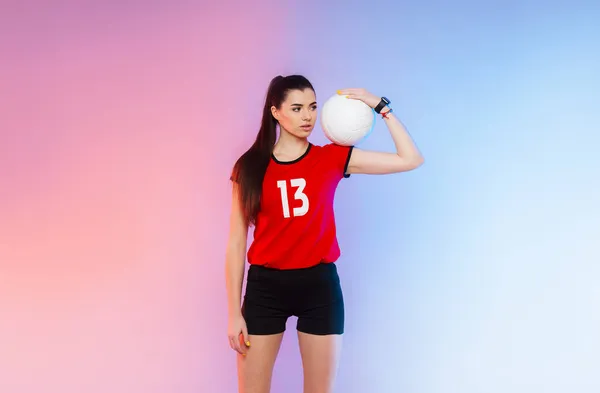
{"x":382,"y":104}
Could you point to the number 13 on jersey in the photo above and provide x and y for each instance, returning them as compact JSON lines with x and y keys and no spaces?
{"x":299,"y":194}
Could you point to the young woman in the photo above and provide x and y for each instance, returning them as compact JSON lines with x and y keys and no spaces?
{"x":285,"y":187}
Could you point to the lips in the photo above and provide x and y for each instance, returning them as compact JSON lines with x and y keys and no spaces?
{"x":306,"y":126}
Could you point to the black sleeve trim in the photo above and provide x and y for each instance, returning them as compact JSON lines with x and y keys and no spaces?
{"x":347,"y":175}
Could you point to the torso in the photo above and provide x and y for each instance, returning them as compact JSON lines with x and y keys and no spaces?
{"x":295,"y":227}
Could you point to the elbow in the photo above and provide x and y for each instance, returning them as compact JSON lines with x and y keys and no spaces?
{"x":412,"y":163}
{"x":418,"y":161}
{"x":235,"y":254}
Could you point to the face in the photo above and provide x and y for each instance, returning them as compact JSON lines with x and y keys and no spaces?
{"x":298,"y":113}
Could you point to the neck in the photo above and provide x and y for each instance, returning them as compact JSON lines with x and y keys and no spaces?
{"x":290,"y":144}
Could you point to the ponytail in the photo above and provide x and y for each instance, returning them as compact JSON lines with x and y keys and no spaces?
{"x":249,"y":170}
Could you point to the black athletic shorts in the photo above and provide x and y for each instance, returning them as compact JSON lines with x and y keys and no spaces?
{"x":314,"y":295}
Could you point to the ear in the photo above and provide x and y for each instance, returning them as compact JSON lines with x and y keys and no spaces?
{"x":275,"y":113}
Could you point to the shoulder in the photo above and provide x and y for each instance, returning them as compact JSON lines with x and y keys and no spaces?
{"x":336,"y":157}
{"x":332,"y":148}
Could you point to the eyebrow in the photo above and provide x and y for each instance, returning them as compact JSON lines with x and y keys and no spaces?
{"x":312,"y":103}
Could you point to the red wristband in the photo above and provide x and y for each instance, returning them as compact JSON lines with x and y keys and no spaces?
{"x":384,"y":115}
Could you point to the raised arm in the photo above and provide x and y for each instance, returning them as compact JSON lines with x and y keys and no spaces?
{"x":407,"y":156}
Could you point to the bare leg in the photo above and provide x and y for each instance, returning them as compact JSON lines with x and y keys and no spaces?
{"x":320,"y":357}
{"x":255,"y":369}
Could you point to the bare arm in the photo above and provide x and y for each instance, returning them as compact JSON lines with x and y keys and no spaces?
{"x":235,"y":255}
{"x":406,"y":158}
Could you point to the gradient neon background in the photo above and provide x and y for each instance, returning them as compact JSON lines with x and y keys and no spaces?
{"x":477,"y":273}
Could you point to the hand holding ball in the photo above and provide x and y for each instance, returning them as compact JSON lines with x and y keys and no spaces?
{"x":346,"y":121}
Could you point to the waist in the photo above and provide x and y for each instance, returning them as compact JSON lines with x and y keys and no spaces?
{"x":255,"y":271}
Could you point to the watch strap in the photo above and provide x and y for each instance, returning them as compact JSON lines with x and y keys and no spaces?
{"x":382,"y":104}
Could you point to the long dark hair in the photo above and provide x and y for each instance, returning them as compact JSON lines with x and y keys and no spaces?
{"x":249,"y":170}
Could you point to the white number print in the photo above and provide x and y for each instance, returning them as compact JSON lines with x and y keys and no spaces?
{"x":299,"y":184}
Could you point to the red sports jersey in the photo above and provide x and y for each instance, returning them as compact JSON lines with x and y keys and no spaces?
{"x":295,"y":227}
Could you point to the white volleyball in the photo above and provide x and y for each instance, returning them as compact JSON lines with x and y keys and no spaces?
{"x":345,"y":121}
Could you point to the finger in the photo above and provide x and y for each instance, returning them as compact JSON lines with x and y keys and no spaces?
{"x":352,"y":96}
{"x":344,"y":92}
{"x":241,"y":344}
{"x":236,"y":346}
{"x":245,"y":336}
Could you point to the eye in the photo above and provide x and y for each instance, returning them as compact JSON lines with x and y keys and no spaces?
{"x":296,"y":109}
{"x":314,"y":108}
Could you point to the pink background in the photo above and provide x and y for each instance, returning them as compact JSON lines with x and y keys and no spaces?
{"x":119,"y":125}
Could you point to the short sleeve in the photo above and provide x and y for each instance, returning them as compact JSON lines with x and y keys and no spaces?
{"x":339,"y":157}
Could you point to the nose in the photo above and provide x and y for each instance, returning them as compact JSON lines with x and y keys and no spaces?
{"x":306,"y":116}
